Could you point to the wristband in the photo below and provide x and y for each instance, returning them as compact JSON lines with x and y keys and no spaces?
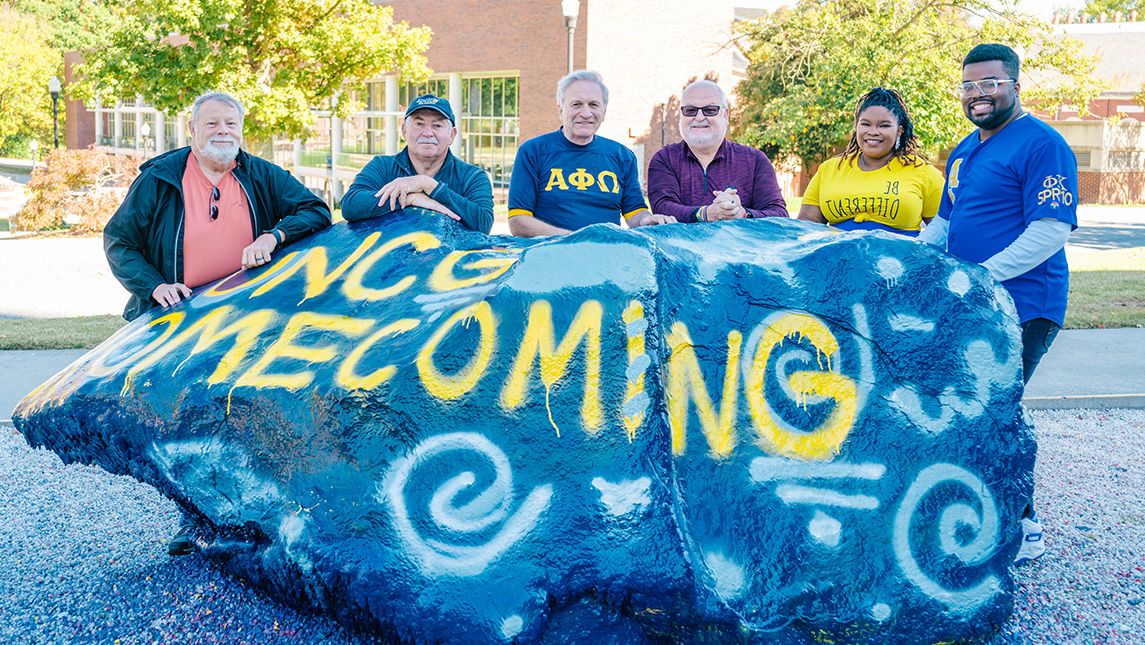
{"x":279,"y":236}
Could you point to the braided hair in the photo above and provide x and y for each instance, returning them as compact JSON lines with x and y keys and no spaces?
{"x":907,"y":151}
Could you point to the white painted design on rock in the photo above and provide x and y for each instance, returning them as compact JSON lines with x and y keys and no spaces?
{"x":957,"y":521}
{"x":902,"y":322}
{"x":792,"y":494}
{"x":492,"y":506}
{"x":891,"y":270}
{"x":825,"y":529}
{"x":729,"y":576}
{"x":959,"y":283}
{"x":623,"y":497}
{"x":772,"y":468}
{"x":512,"y":626}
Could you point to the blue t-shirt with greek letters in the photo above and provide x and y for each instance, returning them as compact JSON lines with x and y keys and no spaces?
{"x":996,"y":188}
{"x":572,"y":186}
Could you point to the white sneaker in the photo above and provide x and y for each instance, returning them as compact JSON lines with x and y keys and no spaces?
{"x":1033,"y":546}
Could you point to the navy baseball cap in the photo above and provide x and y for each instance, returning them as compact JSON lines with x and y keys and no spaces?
{"x":431,"y":102}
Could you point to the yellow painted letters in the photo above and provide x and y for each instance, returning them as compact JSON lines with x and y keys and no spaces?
{"x":348,"y":379}
{"x":317,"y":280}
{"x":453,"y":386}
{"x":284,"y":347}
{"x":824,"y":441}
{"x":685,"y":377}
{"x":352,"y":287}
{"x":539,"y":340}
{"x":444,"y":279}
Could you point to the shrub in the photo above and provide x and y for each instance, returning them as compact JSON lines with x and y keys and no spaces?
{"x":76,"y":189}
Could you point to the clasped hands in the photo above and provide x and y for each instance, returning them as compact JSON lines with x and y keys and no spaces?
{"x":725,"y":206}
{"x":413,"y":191}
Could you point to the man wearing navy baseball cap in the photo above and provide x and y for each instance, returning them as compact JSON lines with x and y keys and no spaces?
{"x":426,"y":174}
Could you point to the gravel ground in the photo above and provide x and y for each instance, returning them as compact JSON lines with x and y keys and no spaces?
{"x":84,"y":558}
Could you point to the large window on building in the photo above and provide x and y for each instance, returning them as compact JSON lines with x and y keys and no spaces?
{"x":491,"y":125}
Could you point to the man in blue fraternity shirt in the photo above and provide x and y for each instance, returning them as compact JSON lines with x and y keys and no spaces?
{"x":571,"y":178}
{"x":1010,"y":205}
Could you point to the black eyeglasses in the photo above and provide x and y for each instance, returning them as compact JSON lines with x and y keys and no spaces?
{"x":691,"y":110}
{"x":214,"y":206}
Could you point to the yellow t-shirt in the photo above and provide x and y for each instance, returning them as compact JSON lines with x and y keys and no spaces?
{"x":897,"y":195}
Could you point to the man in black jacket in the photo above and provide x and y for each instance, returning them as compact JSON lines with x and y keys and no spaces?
{"x":200,"y":213}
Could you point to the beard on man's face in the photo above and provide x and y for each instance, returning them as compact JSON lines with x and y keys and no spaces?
{"x":221,"y":154}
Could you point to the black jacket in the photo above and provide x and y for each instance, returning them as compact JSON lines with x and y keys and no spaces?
{"x":144,"y":239}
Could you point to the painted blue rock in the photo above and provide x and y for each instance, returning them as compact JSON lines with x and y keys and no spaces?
{"x":755,"y":431}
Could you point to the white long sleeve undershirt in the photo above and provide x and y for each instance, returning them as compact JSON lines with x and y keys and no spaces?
{"x":1041,"y":239}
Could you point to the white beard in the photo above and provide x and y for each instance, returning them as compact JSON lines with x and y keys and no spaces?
{"x":221,"y":155}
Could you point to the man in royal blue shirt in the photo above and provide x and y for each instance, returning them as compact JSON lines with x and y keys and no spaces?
{"x":705,"y":177}
{"x":1010,"y":204}
{"x":572,"y":178}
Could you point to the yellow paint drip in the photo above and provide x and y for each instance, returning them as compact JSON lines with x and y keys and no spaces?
{"x":824,"y":441}
{"x":539,"y":345}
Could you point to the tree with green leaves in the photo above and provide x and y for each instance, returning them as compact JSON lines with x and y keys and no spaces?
{"x":26,"y":64}
{"x":810,"y":63}
{"x":280,"y":58}
{"x":73,"y":25}
{"x":1097,"y":7}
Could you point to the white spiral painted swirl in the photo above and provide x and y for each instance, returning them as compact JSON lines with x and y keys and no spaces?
{"x":984,"y":528}
{"x":490,"y":507}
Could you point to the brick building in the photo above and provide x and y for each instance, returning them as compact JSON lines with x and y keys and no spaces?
{"x":1109,"y":141}
{"x":498,"y":63}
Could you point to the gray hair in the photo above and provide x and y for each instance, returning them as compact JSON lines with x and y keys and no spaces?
{"x":707,"y":85}
{"x":221,"y":97}
{"x":581,"y":75}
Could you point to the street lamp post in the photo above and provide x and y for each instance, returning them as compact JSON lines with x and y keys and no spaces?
{"x":570,"y":8}
{"x":54,"y":88}
{"x":145,"y":131}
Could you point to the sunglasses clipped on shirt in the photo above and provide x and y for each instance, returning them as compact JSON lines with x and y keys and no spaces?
{"x":214,"y":206}
{"x":692,"y":110}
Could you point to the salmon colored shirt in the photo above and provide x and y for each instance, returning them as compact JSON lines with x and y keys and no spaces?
{"x":213,"y":248}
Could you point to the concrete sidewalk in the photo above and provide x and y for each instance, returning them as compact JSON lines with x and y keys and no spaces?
{"x":1085,"y":368}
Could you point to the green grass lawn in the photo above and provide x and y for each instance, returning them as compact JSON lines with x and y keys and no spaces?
{"x":82,"y":332}
{"x":1106,"y":289}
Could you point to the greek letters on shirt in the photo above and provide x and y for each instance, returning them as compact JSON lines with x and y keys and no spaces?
{"x":581,"y":179}
{"x":1055,"y":190}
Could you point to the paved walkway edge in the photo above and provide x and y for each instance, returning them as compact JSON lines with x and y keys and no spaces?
{"x":1086,"y":402}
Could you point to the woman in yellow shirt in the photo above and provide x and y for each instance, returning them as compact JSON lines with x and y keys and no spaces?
{"x":881,"y":181}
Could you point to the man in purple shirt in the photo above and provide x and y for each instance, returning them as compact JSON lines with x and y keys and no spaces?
{"x":705,"y":177}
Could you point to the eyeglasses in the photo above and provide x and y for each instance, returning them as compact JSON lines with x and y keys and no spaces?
{"x":987,"y":86}
{"x":691,"y":110}
{"x":214,"y":206}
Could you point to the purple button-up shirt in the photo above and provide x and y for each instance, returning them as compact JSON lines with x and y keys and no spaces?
{"x":678,"y":185}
